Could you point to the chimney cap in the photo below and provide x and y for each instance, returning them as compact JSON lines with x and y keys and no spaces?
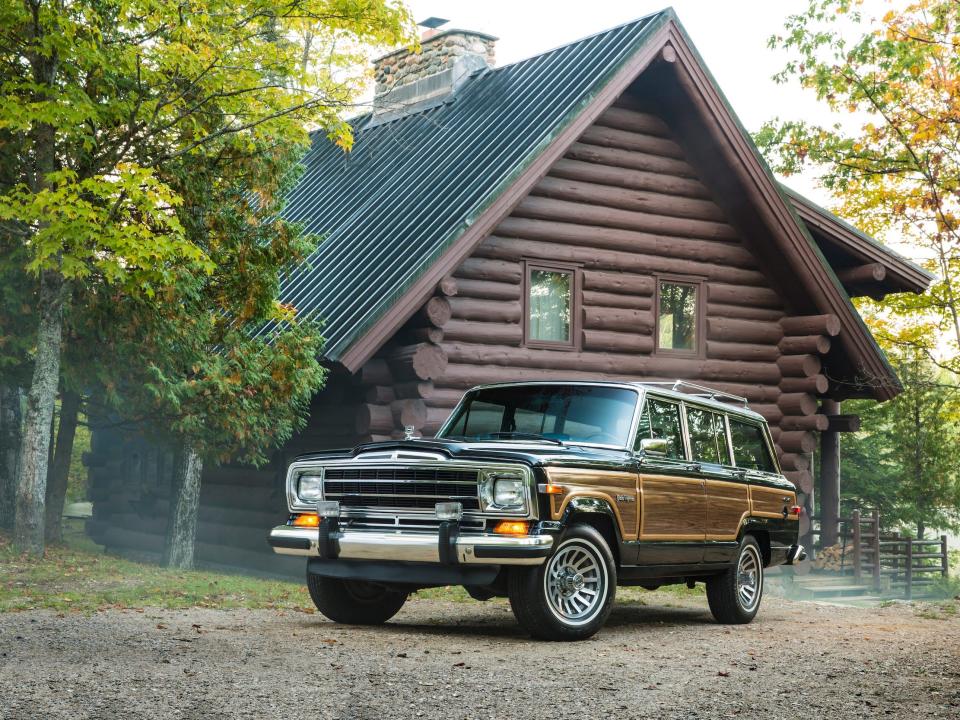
{"x":433,"y":23}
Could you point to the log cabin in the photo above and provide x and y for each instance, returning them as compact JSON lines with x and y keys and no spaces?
{"x":596,"y":211}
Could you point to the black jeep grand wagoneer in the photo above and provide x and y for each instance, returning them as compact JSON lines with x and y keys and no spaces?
{"x":551,"y":494}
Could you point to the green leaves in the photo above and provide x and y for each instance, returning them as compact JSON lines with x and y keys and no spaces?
{"x":895,"y":164}
{"x":145,"y":146}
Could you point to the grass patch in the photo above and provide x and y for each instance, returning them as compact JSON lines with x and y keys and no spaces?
{"x":78,"y":576}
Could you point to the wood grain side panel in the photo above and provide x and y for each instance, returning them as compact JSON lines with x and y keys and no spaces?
{"x":671,"y":508}
{"x":605,"y":485}
{"x":727,"y":505}
{"x":770,"y":502}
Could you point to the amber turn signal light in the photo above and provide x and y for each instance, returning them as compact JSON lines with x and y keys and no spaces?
{"x":310,"y":520}
{"x":511,"y":527}
{"x":550,"y":489}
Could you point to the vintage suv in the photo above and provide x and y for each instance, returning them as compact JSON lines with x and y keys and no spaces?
{"x":551,"y":494}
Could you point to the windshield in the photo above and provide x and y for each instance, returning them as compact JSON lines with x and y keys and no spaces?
{"x":588,"y":414}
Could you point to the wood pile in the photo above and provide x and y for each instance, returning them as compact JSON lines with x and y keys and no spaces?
{"x":831,"y":558}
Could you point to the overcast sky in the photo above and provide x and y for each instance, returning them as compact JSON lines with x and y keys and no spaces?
{"x":731,"y":36}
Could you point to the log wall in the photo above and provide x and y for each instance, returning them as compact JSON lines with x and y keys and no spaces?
{"x":623,"y":205}
{"x":130,"y":480}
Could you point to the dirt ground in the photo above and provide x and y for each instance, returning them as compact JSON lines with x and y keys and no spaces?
{"x":441,"y":659}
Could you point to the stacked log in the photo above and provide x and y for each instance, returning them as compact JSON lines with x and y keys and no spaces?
{"x":830,"y":558}
{"x":806,"y":339}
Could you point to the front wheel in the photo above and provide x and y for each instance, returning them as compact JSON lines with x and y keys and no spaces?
{"x":734,"y":596}
{"x":570,"y":596}
{"x":354,"y":602}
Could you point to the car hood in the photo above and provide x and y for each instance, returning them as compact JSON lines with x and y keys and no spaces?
{"x":528,"y":452}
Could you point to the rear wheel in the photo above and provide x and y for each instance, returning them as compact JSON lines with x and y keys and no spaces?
{"x":734,"y":596}
{"x":354,"y":602}
{"x":570,"y":596}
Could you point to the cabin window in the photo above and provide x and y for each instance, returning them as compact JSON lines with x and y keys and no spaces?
{"x":708,"y":436}
{"x":551,"y":297}
{"x":750,"y":448}
{"x":678,"y":316}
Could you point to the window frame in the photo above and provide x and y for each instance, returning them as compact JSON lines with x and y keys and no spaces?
{"x":700,"y":321}
{"x":575,"y":272}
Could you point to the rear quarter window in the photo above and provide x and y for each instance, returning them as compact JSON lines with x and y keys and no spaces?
{"x":750,"y":448}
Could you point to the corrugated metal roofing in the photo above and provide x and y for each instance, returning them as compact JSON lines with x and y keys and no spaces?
{"x":410,"y":187}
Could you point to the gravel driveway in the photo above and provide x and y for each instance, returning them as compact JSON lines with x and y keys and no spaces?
{"x":441,"y":659}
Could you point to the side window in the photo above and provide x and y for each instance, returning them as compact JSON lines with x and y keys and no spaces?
{"x":750,"y":447}
{"x":708,"y":436}
{"x":661,"y":419}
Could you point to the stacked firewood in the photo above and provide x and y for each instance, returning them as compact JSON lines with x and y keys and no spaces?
{"x":829,"y":558}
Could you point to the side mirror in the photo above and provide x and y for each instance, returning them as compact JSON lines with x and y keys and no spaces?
{"x":654,"y":446}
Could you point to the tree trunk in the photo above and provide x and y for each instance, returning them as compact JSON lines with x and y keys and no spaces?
{"x":921,"y":529}
{"x":60,"y":468}
{"x":32,"y":475}
{"x":182,"y":518}
{"x":11,"y":415}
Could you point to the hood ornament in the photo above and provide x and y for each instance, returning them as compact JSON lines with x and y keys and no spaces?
{"x":408,"y":432}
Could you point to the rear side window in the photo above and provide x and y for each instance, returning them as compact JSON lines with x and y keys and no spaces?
{"x":661,"y":420}
{"x":750,"y":447}
{"x":708,"y":436}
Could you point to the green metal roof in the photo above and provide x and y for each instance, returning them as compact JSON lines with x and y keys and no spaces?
{"x":410,"y":187}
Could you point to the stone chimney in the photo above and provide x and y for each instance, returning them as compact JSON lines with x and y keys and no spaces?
{"x":409,"y":82}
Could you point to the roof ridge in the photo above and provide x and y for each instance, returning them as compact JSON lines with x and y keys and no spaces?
{"x":636,"y":21}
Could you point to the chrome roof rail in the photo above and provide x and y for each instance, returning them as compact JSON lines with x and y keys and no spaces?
{"x":699,"y":391}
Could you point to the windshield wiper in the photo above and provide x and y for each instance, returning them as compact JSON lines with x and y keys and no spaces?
{"x":524,"y":436}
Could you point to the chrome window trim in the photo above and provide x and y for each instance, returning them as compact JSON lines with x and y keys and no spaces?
{"x":639,"y":390}
{"x":320,"y":466}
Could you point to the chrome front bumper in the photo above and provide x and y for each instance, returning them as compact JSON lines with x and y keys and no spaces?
{"x":414,"y":546}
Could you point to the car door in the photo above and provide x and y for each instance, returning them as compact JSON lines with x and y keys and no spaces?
{"x":727,"y":497}
{"x":672,"y":507}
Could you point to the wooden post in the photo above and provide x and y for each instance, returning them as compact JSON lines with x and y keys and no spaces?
{"x":876,"y":549}
{"x":944,"y":560}
{"x":857,"y":557}
{"x":909,"y":585}
{"x":829,"y":478}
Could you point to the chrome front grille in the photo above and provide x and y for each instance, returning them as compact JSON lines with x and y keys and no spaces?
{"x":401,"y":488}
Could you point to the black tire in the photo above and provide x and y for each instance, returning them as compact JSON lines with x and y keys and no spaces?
{"x":354,"y":602}
{"x":731,"y":601}
{"x":537,"y":594}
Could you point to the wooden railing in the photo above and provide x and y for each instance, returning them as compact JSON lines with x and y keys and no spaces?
{"x":903,"y":562}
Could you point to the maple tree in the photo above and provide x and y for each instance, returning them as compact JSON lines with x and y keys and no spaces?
{"x":101,"y":99}
{"x":893,"y":163}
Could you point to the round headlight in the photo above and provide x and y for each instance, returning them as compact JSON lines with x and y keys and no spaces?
{"x":310,"y":487}
{"x":507,"y":492}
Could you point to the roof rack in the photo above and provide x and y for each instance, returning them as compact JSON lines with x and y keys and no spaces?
{"x":701,"y":391}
